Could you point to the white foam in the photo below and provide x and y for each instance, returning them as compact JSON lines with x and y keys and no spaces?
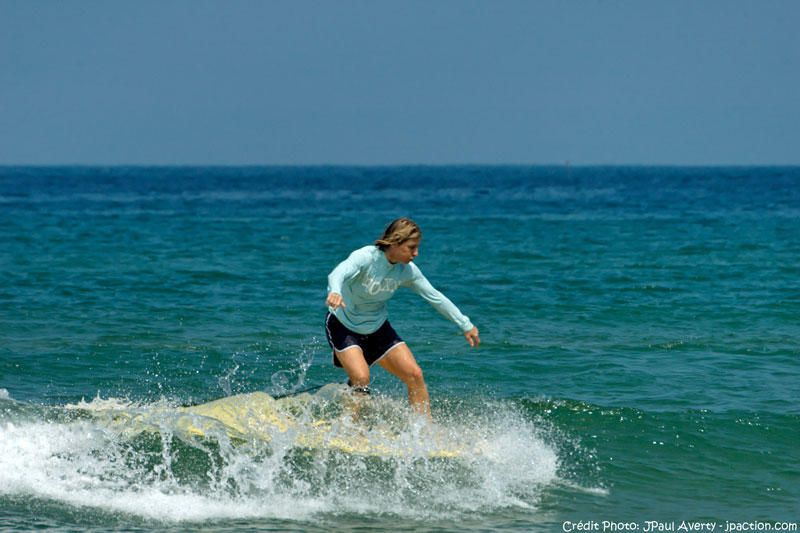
{"x":89,"y":463}
{"x":4,"y":394}
{"x":102,"y":404}
{"x":79,"y":465}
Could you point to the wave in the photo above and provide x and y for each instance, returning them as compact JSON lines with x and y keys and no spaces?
{"x":144,"y":460}
{"x":527,"y":457}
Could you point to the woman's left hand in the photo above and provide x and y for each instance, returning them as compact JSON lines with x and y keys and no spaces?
{"x":472,"y":337}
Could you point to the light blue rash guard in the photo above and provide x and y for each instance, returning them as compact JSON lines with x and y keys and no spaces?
{"x":367,"y":280}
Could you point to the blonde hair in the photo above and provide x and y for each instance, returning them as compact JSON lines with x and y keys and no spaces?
{"x":398,"y":232}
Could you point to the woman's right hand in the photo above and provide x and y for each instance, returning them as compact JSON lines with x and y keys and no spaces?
{"x":335,"y":300}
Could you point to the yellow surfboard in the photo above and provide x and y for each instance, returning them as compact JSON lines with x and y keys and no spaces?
{"x":298,"y":420}
{"x":258,"y":415}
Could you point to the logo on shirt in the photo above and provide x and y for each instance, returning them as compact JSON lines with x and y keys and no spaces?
{"x":373,"y":286}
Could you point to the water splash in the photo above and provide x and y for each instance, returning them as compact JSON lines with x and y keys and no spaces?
{"x":226,"y":379}
{"x":142,"y":460}
{"x":290,"y":381}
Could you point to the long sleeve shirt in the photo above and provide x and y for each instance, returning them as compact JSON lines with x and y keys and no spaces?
{"x":367,"y":280}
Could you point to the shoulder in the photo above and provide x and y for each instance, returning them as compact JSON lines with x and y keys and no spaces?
{"x":369,"y":250}
{"x":365,"y":254}
{"x":412,"y":271}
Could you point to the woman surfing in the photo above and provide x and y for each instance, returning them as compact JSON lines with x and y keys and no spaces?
{"x":357,"y":324}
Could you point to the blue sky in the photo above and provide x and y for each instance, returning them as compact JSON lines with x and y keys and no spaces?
{"x":380,"y":83}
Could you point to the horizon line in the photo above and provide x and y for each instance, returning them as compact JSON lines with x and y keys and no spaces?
{"x":566,"y":164}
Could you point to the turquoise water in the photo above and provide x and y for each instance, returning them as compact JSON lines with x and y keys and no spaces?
{"x":639,"y":361}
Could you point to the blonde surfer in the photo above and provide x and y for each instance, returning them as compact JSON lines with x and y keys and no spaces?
{"x":357,"y":324}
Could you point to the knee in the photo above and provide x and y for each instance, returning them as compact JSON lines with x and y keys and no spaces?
{"x":359,"y":378}
{"x":413,"y":375}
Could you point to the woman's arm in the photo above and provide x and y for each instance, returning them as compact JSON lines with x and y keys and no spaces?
{"x":440,"y":302}
{"x":345,"y":271}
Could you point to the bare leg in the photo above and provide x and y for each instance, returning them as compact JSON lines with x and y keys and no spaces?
{"x":401,"y":363}
{"x":357,"y":369}
{"x":355,"y":365}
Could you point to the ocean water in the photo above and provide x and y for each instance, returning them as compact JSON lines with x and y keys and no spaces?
{"x":640,"y":358}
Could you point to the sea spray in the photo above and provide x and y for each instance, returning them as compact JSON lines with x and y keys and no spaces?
{"x":286,"y":382}
{"x":140,"y":460}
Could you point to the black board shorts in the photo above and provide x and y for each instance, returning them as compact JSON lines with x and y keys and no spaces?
{"x":374,"y":345}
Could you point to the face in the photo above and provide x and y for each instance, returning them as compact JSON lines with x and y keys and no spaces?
{"x":404,"y":252}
